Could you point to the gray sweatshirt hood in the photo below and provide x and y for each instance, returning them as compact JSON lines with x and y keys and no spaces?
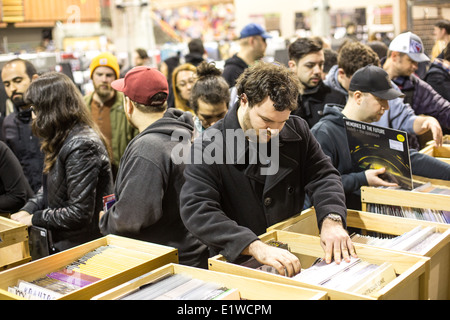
{"x":332,"y":80}
{"x":173,"y":119}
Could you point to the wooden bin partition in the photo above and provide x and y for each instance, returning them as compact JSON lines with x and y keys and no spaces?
{"x":439,"y":251}
{"x":404,"y":198}
{"x":14,"y":248}
{"x":412,"y":271}
{"x":435,"y":182}
{"x":442,"y":153}
{"x":159,"y":255}
{"x":249,"y":288}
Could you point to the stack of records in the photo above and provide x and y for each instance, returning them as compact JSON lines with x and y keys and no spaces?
{"x":418,"y":240}
{"x":356,"y":276}
{"x":182,"y":287}
{"x":439,"y":216}
{"x":96,"y":265}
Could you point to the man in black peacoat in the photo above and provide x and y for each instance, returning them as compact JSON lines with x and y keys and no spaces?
{"x":232,"y":193}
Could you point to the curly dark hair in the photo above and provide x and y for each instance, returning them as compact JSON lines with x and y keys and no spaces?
{"x":210,"y":86}
{"x":59,"y":106}
{"x":271,"y":80}
{"x":354,"y":55}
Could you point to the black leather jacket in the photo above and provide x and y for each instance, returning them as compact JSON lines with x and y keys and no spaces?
{"x":70,"y":200}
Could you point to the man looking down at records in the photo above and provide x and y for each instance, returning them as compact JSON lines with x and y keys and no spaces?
{"x":369,"y":92}
{"x":148,"y":181}
{"x":228,"y":199}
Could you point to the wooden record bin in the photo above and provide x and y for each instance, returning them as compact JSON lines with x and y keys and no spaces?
{"x":149,"y":256}
{"x":14,"y":248}
{"x":404,"y":198}
{"x":418,"y":180}
{"x":248,"y":288}
{"x":412,"y":272}
{"x":442,"y":153}
{"x":438,"y":252}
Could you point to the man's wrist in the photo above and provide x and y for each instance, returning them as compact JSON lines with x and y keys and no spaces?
{"x":252,"y":247}
{"x":333,"y":217}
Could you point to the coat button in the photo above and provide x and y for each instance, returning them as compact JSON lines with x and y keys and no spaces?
{"x":267,"y":201}
{"x":290,"y":190}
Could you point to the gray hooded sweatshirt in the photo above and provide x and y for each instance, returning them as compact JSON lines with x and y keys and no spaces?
{"x":147,"y":190}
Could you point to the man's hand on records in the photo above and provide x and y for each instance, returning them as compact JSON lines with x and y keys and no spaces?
{"x":424,"y":124}
{"x":336,"y":242}
{"x":281,"y":259}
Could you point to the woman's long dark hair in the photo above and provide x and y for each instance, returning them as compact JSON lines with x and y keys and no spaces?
{"x":59,"y":106}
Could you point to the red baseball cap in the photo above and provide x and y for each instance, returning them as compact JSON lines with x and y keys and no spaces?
{"x":141,"y":83}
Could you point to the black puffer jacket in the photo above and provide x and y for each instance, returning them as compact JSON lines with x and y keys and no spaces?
{"x":313,"y":101}
{"x":18,"y":136}
{"x":438,"y":76}
{"x":71,"y":198}
{"x":424,"y":100}
{"x":233,"y":68}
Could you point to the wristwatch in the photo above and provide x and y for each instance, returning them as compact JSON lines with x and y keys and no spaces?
{"x":332,"y":216}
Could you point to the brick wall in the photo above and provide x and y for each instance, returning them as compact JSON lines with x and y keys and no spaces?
{"x":424,"y":29}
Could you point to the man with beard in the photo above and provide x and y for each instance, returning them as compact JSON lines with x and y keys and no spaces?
{"x":17,"y":75}
{"x":229,"y":198}
{"x":306,"y":60}
{"x":405,"y":53}
{"x":106,"y":105}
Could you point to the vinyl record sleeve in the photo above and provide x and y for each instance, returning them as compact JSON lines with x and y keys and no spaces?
{"x":374,"y":147}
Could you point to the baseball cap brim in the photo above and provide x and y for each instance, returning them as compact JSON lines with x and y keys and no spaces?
{"x":118,"y":84}
{"x":418,"y":57}
{"x":266,"y":35}
{"x":388,"y":94}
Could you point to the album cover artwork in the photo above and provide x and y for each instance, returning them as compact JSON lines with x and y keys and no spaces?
{"x":374,"y":147}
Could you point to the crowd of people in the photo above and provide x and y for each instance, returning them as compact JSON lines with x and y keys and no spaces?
{"x":203,"y":159}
